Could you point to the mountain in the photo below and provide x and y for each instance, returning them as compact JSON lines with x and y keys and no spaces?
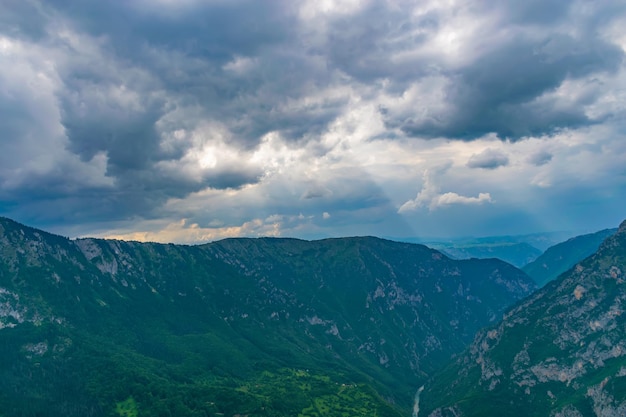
{"x":560,"y":352}
{"x":539,"y":241}
{"x":515,"y":253}
{"x":561,"y":257}
{"x":518,"y":250}
{"x":257,"y":327}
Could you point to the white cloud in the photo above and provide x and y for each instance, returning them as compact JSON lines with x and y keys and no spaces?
{"x":447,"y":199}
{"x":431,"y":196}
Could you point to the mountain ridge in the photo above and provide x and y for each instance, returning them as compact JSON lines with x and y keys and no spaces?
{"x":558,"y":352}
{"x":374,"y":314}
{"x":562,"y":256}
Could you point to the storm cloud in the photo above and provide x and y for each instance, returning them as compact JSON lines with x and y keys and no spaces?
{"x":488,"y":159}
{"x":230,"y":112}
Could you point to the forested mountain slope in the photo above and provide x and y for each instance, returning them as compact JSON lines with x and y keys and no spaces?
{"x":258,"y":327}
{"x":560,"y":352}
{"x":561,"y":257}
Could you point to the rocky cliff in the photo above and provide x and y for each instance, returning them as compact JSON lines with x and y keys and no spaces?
{"x":560,"y":352}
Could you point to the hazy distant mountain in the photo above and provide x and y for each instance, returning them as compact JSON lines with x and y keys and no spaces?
{"x":539,"y":241}
{"x":257,"y":327}
{"x":561,"y":257}
{"x":561,"y":352}
{"x":515,"y":253}
{"x":518,"y":250}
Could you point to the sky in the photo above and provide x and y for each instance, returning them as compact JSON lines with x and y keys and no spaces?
{"x":190,"y":121}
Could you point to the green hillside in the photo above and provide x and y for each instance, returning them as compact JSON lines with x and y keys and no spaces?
{"x":561,"y":257}
{"x":559,"y":352}
{"x":257,"y":327}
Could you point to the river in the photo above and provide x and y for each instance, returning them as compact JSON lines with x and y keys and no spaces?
{"x":416,"y":403}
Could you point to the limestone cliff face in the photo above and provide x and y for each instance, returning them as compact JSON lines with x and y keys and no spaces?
{"x":560,"y":352}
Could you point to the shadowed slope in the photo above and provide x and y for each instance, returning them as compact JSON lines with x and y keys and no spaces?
{"x":560,"y":352}
{"x":264,"y":327}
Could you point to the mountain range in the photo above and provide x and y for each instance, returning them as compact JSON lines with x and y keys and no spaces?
{"x":518,"y":250}
{"x":515,"y":253}
{"x":257,"y":327}
{"x":560,"y":352}
{"x":561,"y":257}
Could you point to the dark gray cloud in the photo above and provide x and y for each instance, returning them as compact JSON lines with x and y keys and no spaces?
{"x":540,"y":158}
{"x":363,"y":44}
{"x":23,"y":19}
{"x":316,"y":191}
{"x":504,"y":87}
{"x":124,"y":70}
{"x":187,"y":50}
{"x":109,"y":108}
{"x":539,"y":12}
{"x":488,"y":159}
{"x":213,"y":30}
{"x":507,"y":90}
